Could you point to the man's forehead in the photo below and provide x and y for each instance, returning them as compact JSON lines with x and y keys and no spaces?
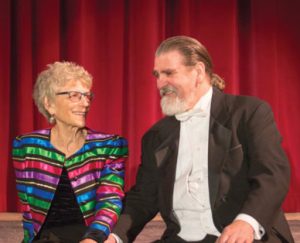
{"x":170,"y":54}
{"x":171,"y":59}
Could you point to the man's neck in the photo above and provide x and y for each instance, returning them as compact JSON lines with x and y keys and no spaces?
{"x":202,"y":90}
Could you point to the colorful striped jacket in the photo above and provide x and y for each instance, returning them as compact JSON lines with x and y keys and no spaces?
{"x":96,"y":174}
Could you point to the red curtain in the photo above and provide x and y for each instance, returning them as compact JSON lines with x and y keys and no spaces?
{"x":254,"y":45}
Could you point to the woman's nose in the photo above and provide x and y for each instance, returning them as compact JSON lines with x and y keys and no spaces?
{"x":85,"y":100}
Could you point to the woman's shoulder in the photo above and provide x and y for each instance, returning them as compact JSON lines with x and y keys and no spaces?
{"x":32,"y":136}
{"x":96,"y":136}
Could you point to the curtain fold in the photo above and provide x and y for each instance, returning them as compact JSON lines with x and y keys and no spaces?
{"x":254,"y":46}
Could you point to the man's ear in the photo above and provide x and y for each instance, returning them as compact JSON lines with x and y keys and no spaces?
{"x":201,"y":72}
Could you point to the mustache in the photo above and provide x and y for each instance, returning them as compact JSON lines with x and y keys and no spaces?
{"x":167,"y":89}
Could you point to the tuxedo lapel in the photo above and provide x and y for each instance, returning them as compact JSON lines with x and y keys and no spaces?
{"x":219,"y":141}
{"x":166,"y":159}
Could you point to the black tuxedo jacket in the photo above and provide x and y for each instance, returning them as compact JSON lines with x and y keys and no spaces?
{"x":248,"y":170}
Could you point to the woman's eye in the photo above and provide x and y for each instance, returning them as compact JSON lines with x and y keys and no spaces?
{"x":75,"y":94}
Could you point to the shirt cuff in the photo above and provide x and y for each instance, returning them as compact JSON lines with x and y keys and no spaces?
{"x":259,"y":231}
{"x":118,"y":239}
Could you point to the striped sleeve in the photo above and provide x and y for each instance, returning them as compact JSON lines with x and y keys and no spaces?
{"x":110,"y":190}
{"x":37,"y":167}
{"x":20,"y":168}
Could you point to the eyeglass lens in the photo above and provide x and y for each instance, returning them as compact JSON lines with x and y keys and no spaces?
{"x":76,"y":96}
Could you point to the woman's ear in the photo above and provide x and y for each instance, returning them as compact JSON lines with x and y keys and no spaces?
{"x":49,"y":106}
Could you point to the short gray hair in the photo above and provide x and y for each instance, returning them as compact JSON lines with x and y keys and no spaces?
{"x":57,"y":74}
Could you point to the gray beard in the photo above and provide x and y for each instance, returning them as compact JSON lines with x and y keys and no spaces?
{"x":172,"y":106}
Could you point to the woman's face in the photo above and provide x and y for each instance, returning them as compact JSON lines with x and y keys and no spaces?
{"x":70,"y":109}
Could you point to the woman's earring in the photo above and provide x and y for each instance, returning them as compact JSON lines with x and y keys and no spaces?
{"x":51,"y":119}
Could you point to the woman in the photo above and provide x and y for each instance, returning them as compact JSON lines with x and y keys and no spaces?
{"x":69,"y":177}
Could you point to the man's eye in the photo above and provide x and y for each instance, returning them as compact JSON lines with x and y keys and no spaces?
{"x":155,"y":74}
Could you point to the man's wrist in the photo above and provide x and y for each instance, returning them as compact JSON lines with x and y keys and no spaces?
{"x":258,"y":229}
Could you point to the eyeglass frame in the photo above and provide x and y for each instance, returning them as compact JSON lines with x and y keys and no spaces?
{"x":89,"y":95}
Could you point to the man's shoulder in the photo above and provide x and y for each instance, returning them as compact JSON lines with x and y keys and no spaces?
{"x":243,"y":99}
{"x":237,"y":106}
{"x":244,"y":102}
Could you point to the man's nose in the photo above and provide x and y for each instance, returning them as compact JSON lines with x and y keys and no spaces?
{"x":161,"y":82}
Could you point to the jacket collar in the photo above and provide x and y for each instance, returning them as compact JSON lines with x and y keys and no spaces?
{"x":219,"y":141}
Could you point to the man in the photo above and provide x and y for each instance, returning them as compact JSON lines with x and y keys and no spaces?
{"x":213,"y":167}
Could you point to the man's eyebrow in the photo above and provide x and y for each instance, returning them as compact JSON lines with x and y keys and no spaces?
{"x":168,"y":70}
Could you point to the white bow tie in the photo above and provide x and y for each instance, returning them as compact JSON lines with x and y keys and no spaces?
{"x":192,"y":113}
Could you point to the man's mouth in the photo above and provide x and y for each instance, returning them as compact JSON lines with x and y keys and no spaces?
{"x":167,"y":90}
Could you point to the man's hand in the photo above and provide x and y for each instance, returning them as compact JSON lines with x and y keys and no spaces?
{"x":88,"y":241}
{"x":110,"y":239}
{"x":238,"y":231}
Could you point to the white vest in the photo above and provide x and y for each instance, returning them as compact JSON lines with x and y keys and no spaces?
{"x":191,"y":193}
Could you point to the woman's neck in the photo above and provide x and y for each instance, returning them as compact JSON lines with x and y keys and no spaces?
{"x":67,"y":140}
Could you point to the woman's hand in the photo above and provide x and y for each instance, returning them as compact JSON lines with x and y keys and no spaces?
{"x":110,"y":239}
{"x":88,"y":241}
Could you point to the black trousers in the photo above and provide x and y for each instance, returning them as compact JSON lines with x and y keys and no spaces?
{"x":177,"y":239}
{"x":62,"y":234}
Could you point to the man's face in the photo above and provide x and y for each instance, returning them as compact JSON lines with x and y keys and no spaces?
{"x":176,"y":83}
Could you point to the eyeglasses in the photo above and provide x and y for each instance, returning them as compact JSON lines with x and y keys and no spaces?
{"x":76,"y":96}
